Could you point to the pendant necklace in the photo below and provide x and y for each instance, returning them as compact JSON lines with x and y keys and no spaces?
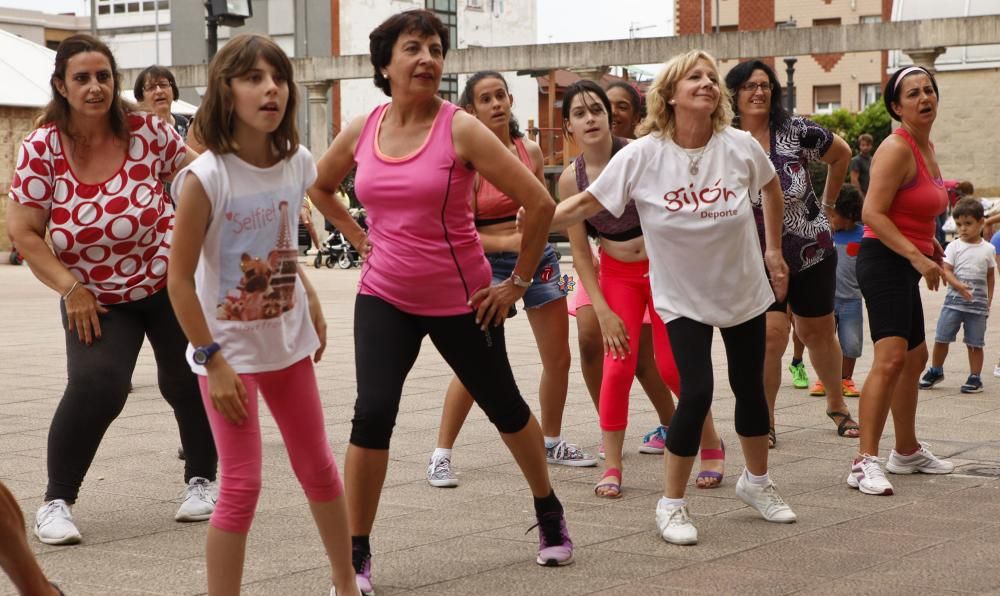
{"x":693,"y":162}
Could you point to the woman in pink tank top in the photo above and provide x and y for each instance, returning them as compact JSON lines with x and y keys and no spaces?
{"x":426,"y":273}
{"x":904,"y":197}
{"x":487,"y":97}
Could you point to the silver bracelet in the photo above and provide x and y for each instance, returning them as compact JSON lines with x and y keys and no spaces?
{"x":76,"y":285}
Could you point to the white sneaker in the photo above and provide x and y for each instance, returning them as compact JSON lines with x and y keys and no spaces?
{"x":996,"y":371}
{"x":867,"y":476}
{"x":440,"y":474}
{"x":675,"y":525}
{"x":765,"y":499}
{"x":568,"y":454}
{"x":54,"y":524}
{"x":199,"y":500}
{"x":922,"y":461}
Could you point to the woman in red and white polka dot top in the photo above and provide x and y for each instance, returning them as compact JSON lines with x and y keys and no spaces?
{"x":92,"y":175}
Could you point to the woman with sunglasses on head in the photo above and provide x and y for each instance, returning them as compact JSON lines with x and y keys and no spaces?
{"x":807,"y":240}
{"x":704,"y":266}
{"x":905,"y":195}
{"x":613,"y":301}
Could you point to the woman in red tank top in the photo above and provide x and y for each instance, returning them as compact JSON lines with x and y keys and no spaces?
{"x":904,"y":197}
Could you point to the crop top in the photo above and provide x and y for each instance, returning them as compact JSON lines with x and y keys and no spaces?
{"x":605,"y":225}
{"x":492,"y":205}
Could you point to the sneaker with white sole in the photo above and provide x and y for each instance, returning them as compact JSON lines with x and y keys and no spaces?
{"x":362,"y":562}
{"x":996,"y":371}
{"x":675,"y":525}
{"x":568,"y":454}
{"x":867,"y":476}
{"x":54,"y":524}
{"x":922,"y":461}
{"x":765,"y":499}
{"x":440,"y":474}
{"x":555,"y":548}
{"x":199,"y":500}
{"x":655,"y":441}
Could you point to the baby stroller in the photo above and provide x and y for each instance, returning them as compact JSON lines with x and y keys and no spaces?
{"x":337,"y":249}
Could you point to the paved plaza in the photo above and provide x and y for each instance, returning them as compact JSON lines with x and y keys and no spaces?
{"x":938,"y":535}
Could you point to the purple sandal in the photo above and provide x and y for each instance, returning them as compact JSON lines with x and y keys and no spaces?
{"x":615,"y":488}
{"x":708,"y":455}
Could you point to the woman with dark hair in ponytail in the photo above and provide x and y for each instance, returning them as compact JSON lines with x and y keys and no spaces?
{"x":487,"y":97}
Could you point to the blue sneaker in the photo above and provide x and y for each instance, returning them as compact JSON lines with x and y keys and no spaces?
{"x":932,"y":377}
{"x":973,"y":384}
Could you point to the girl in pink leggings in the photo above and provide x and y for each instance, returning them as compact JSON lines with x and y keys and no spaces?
{"x":252,"y":318}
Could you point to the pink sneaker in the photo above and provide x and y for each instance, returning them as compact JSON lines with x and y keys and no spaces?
{"x":655,"y":441}
{"x":555,"y":549}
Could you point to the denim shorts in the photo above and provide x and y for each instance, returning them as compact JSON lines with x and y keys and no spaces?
{"x":850,"y":325}
{"x":545,"y":286}
{"x":973,"y":323}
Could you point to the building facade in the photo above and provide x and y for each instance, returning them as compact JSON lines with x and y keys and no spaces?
{"x":823,"y":82}
{"x":472,"y":22}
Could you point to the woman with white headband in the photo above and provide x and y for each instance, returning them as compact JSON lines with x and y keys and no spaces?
{"x":904,"y":197}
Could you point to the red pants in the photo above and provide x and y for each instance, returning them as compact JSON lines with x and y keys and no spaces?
{"x":626,"y":289}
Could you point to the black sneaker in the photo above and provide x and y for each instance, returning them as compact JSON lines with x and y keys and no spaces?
{"x":932,"y":377}
{"x":973,"y":384}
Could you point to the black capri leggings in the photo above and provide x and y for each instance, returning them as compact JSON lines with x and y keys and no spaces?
{"x":99,"y":379}
{"x":386,"y":343}
{"x":692,"y":342}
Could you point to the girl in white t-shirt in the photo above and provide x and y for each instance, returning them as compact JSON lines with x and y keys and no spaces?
{"x":691,"y":179}
{"x":252,"y":318}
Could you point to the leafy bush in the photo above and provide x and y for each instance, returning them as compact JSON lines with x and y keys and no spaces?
{"x":873,"y":120}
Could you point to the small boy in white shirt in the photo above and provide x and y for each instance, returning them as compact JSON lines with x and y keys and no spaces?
{"x":973,"y":262}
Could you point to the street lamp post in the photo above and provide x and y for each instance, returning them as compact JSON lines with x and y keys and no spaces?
{"x":229,"y":13}
{"x":790,"y":89}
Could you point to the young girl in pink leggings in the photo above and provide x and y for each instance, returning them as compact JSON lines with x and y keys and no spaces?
{"x":252,"y":319}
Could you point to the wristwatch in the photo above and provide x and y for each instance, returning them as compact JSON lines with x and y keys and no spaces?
{"x":519,"y":282}
{"x":203,"y":354}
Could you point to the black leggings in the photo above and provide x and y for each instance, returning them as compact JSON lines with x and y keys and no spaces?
{"x":692,"y":343}
{"x":386,"y":343}
{"x":99,"y":379}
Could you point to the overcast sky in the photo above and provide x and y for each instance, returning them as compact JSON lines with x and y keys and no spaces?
{"x":558,"y":20}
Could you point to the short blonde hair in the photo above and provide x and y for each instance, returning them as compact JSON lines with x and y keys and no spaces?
{"x":660,"y":117}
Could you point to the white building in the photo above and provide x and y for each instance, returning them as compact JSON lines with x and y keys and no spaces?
{"x":476,"y":23}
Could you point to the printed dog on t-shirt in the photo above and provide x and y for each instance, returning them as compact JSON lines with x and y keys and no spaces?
{"x":253,"y":298}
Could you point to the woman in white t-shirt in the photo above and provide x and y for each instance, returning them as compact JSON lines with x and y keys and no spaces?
{"x":691,"y":179}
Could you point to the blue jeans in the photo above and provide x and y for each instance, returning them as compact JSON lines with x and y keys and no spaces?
{"x":545,"y":283}
{"x":850,"y":325}
{"x":951,"y":319}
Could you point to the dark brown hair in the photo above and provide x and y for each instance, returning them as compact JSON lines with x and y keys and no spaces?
{"x":969,"y":207}
{"x":214,"y":123}
{"x":468,"y":99}
{"x":380,"y":41}
{"x":849,"y":202}
{"x":57,"y":112}
{"x":154,"y":73}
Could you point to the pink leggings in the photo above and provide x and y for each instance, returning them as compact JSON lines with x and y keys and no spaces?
{"x":293,"y":398}
{"x":626,"y":289}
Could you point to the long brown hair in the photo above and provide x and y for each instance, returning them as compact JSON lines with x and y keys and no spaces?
{"x":214,"y":124}
{"x":57,"y":112}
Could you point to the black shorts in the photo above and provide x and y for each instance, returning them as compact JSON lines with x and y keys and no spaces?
{"x":811,"y":292}
{"x":891,"y":289}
